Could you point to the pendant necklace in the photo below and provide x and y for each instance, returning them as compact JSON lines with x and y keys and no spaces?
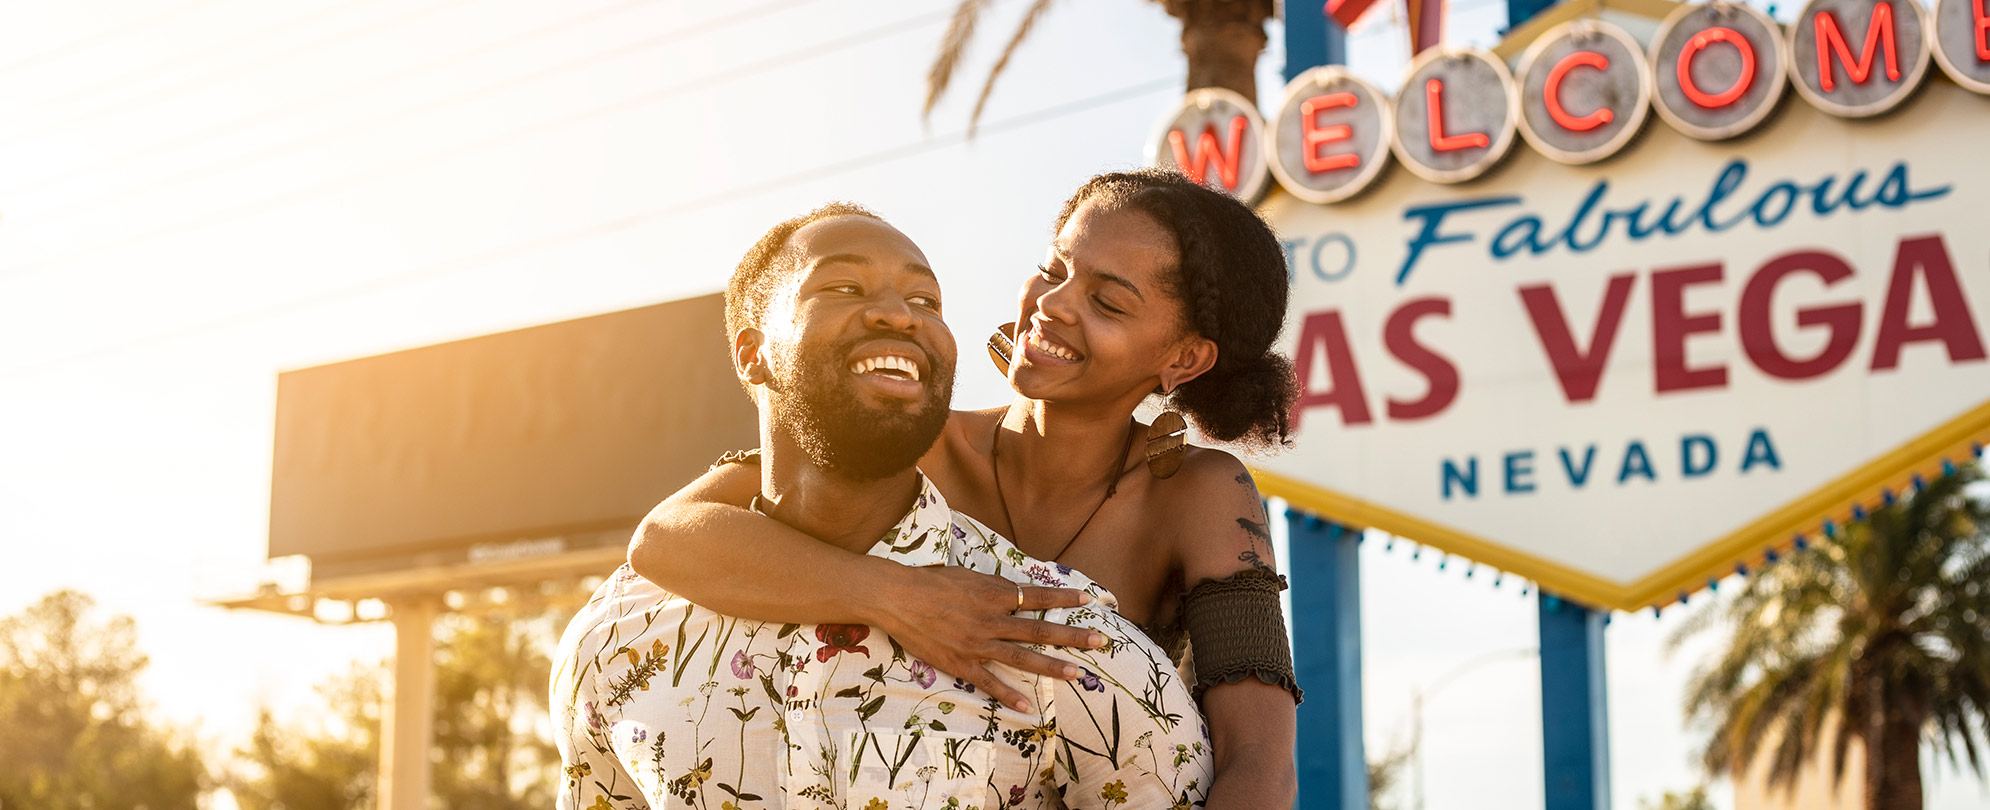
{"x":1112,"y":485}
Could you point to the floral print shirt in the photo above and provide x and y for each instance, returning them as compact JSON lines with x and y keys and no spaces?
{"x":660,"y":703}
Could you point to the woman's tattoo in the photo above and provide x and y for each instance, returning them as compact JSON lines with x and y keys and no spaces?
{"x":1257,"y":532}
{"x":1255,"y":528}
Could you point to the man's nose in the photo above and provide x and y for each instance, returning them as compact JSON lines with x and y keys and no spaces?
{"x":891,"y":313}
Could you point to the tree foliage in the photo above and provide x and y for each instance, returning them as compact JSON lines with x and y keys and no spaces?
{"x":73,"y":728}
{"x":1882,"y":628}
{"x":328,"y":760}
{"x":491,"y":746}
{"x":1695,"y":799}
{"x":1385,"y":774}
{"x":1221,"y":39}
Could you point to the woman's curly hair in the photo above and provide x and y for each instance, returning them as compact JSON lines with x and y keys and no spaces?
{"x":1232,"y":282}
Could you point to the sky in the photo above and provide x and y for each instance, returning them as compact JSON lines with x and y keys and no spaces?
{"x":198,"y":194}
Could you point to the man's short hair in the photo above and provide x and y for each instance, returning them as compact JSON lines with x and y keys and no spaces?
{"x":767,"y":264}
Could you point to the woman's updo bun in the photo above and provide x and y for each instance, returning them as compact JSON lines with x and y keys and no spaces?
{"x":1233,"y":285}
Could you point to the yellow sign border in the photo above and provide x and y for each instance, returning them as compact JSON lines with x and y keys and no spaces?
{"x":1954,"y":442}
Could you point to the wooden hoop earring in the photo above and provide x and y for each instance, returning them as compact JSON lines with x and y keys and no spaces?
{"x":1002,"y":347}
{"x":1167,"y":444}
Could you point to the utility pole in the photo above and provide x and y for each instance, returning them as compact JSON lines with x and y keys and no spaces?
{"x":1418,"y":695}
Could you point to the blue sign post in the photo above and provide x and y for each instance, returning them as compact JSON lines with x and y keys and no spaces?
{"x":1326,"y":640}
{"x":1575,"y":728}
{"x":1311,"y":39}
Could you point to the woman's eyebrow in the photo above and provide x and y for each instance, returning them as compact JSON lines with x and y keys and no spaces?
{"x":1121,"y":281}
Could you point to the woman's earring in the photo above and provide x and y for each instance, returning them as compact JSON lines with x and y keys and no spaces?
{"x":1001,"y":347}
{"x":1167,"y":443}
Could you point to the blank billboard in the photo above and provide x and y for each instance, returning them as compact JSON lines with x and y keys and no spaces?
{"x":566,"y":429}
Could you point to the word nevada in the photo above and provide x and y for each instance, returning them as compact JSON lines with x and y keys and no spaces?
{"x":1580,"y":93}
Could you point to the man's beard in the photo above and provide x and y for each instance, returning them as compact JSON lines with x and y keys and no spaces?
{"x":813,"y":400}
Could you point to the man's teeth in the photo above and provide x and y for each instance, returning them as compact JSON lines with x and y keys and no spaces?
{"x":1051,"y":349}
{"x":888,"y":363}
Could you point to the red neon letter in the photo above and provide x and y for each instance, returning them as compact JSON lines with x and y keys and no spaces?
{"x":1578,"y":371}
{"x":1953,"y":327}
{"x":1225,"y":160}
{"x":1698,"y":43}
{"x":1758,"y":336}
{"x":1322,"y":334}
{"x":1982,"y":27}
{"x":1433,"y":94}
{"x":1312,"y":136}
{"x":1575,"y":123}
{"x":1880,"y":30}
{"x":1671,"y":325}
{"x":1399,"y":336}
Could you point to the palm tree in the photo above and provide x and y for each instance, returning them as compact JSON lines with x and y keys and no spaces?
{"x":1882,"y":627}
{"x":1221,"y":38}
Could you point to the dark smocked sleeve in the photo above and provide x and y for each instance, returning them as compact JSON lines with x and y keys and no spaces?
{"x":1236,"y":630}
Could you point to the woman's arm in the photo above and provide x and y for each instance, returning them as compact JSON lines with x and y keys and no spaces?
{"x":704,"y":545}
{"x":1253,"y":725}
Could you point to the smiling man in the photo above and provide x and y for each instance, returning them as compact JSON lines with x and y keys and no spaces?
{"x":837,"y":336}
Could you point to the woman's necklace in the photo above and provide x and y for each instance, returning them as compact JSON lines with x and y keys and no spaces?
{"x":1115,"y":472}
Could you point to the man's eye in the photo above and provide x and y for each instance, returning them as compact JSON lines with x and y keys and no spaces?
{"x":926,"y":301}
{"x":844,"y":288}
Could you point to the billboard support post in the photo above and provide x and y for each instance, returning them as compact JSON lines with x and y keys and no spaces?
{"x":410,"y":716}
{"x":1325,"y":564}
{"x":1575,"y":740}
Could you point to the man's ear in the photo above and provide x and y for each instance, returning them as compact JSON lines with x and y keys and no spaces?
{"x":749,"y":357}
{"x":1193,"y":356}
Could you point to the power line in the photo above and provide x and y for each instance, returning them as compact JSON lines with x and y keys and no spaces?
{"x":263,"y":204}
{"x":869,"y":160}
{"x":238,"y":124}
{"x":169,"y":91}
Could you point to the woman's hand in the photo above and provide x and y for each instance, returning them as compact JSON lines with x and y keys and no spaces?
{"x":957,"y":620}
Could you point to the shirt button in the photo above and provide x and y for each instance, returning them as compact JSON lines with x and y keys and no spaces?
{"x":794,"y":715}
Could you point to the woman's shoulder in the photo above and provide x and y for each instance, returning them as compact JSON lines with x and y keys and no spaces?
{"x":1206,"y":470}
{"x":1204,"y":497}
{"x":977,"y":422}
{"x":967,"y":432}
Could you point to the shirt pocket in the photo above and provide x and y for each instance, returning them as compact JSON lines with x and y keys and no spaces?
{"x":916,"y":771}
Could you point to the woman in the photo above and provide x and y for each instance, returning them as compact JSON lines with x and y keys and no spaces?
{"x":1154,"y":286}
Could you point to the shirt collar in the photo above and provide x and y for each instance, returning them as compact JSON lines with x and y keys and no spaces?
{"x":925,"y":536}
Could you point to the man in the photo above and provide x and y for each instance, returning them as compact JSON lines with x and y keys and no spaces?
{"x":660,"y":703}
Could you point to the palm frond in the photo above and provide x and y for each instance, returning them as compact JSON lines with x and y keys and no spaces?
{"x":1030,"y":17}
{"x":1885,"y":621}
{"x":960,"y":32}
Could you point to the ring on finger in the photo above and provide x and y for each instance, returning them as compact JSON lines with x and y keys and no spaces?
{"x":1019,"y":598}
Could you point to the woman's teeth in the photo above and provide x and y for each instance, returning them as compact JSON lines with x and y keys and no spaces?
{"x":887,"y":364}
{"x":1038,"y":343}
